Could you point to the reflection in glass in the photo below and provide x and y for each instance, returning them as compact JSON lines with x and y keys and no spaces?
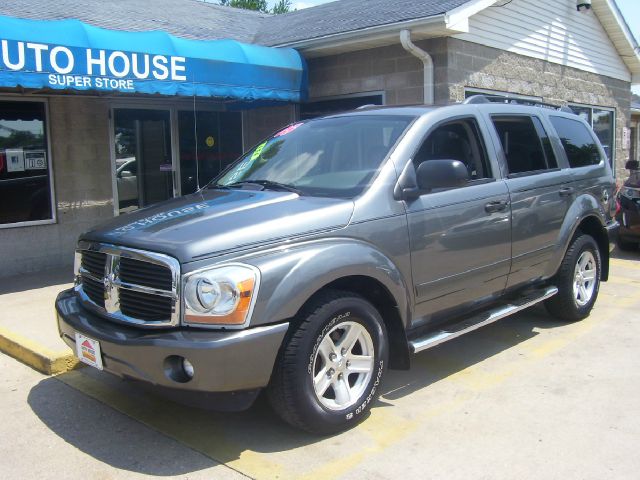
{"x":24,"y":163}
{"x":144,"y":172}
{"x":603,"y":127}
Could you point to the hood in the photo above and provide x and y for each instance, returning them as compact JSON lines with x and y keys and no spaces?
{"x":211,"y":222}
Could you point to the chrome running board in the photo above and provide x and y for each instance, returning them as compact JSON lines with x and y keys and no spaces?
{"x":449,"y":332}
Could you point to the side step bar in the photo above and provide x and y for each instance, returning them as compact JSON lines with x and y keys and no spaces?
{"x":480,"y":320}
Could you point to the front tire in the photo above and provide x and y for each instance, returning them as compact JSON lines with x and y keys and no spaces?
{"x":578,"y":280}
{"x":332,"y":364}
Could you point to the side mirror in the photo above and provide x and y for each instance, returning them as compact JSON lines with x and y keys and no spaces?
{"x":632,"y":165}
{"x":434,"y":174}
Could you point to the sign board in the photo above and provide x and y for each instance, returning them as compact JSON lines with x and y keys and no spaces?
{"x":72,"y":55}
{"x":626,"y":138}
{"x":15,"y":160}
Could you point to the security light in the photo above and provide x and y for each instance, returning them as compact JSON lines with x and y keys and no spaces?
{"x":583,"y":5}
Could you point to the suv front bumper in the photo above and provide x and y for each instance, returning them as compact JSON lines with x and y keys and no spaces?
{"x":223,"y":361}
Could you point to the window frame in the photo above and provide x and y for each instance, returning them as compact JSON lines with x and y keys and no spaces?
{"x":530,"y":116}
{"x":612,"y":160}
{"x":483,"y":147}
{"x":52,"y":195}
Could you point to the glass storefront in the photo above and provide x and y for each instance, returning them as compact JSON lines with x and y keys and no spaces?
{"x":209,"y":142}
{"x":25,"y":166}
{"x":147,"y":171}
{"x":143,"y":157}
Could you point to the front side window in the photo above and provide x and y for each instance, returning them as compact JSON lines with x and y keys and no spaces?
{"x":332,"y":157}
{"x":25,"y":183}
{"x":525,"y":144}
{"x":457,"y":140}
{"x":578,"y":143}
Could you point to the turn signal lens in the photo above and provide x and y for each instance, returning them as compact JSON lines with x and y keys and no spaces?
{"x":220,"y":296}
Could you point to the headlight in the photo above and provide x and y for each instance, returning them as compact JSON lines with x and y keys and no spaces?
{"x":220,"y":295}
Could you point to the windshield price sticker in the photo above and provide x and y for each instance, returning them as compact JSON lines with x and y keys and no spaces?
{"x":258,"y":151}
{"x":289,"y":129}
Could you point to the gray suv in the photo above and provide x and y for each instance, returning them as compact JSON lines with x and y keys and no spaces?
{"x":340,"y":246}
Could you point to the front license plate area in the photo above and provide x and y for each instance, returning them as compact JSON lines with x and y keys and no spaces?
{"x":88,"y":351}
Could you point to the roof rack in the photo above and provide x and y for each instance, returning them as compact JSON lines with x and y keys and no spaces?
{"x":479,"y":99}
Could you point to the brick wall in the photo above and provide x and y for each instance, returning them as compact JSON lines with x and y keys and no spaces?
{"x":259,"y":123}
{"x":390,"y":69}
{"x":79,"y":130}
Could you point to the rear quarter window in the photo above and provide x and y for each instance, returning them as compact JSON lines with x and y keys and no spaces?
{"x":577,"y":141}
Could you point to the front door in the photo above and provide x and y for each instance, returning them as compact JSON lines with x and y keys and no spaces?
{"x":144,"y":169}
{"x":460,"y":238}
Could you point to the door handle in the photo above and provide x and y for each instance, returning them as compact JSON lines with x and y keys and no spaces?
{"x":566,"y":191}
{"x":497,"y":206}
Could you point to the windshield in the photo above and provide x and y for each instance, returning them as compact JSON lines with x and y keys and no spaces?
{"x":333,"y":157}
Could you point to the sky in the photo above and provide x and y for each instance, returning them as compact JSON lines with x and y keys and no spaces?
{"x":630,"y":9}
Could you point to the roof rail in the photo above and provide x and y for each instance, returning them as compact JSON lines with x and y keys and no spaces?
{"x":479,"y":99}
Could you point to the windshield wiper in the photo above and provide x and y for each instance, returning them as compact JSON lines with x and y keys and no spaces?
{"x":265,"y":184}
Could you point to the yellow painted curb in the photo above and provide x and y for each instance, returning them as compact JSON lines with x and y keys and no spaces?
{"x":36,"y":356}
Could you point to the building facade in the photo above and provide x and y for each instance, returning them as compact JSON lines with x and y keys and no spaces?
{"x":107,"y":152}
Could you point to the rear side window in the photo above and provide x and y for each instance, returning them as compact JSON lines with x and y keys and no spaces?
{"x":457,"y":140}
{"x":525,"y":144}
{"x":577,"y":141}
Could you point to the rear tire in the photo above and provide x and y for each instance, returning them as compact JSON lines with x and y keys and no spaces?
{"x":578,"y":280}
{"x":330,"y":369}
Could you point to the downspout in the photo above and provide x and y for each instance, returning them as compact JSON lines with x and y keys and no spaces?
{"x":409,"y":46}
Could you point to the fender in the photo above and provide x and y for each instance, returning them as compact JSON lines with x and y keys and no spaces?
{"x":292,"y":274}
{"x":583,"y":206}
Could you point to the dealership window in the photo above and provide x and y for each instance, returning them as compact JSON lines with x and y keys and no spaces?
{"x":602,"y":121}
{"x":25,"y":165}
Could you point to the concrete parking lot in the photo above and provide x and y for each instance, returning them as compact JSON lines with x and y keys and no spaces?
{"x":524,"y":398}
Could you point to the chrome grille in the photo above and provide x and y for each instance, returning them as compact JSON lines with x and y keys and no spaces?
{"x":145,"y":273}
{"x":128,"y":285}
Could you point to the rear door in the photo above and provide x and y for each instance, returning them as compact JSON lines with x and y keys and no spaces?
{"x":460,"y":237}
{"x":540,"y":196}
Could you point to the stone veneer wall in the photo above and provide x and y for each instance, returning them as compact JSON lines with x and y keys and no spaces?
{"x":79,"y":129}
{"x":473,"y":65}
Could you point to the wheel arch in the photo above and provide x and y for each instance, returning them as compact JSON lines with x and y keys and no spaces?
{"x":590,"y":224}
{"x":294,"y":278}
{"x":381,"y":298}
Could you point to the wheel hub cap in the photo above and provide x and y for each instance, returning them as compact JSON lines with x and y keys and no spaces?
{"x":584,"y":280}
{"x":343,"y":365}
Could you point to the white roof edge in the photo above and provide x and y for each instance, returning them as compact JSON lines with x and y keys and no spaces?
{"x":630,"y":52}
{"x":462,"y":13}
{"x":326,"y":41}
{"x":457,"y":20}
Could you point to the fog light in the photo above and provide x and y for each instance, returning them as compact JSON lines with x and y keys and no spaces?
{"x":187,"y":367}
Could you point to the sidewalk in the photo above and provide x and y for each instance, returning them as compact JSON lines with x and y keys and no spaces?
{"x":28,"y":330}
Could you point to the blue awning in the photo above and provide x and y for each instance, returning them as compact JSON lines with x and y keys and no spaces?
{"x":71,"y":55}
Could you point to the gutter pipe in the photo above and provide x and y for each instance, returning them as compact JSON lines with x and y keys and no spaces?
{"x":409,"y":46}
